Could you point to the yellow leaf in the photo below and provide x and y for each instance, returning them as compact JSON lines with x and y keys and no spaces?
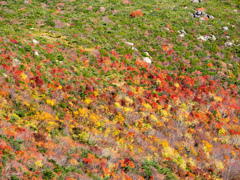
{"x":74,"y":162}
{"x":38,"y":163}
{"x":23,"y":76}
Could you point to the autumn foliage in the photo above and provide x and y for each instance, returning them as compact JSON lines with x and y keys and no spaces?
{"x":73,"y":112}
{"x":136,"y":14}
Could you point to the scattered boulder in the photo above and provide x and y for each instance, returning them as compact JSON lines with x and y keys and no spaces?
{"x":225,"y":28}
{"x":147,"y":60}
{"x":205,"y":38}
{"x":183,"y":33}
{"x":229,"y":44}
{"x":146,"y":54}
{"x":129,"y":43}
{"x":201,"y":12}
{"x":36,"y":53}
{"x":196,"y":1}
{"x":135,"y":49}
{"x":35,"y":41}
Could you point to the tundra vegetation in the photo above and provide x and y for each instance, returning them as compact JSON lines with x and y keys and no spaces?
{"x":110,"y":89}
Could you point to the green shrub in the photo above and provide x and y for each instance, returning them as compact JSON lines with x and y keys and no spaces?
{"x":48,"y":174}
{"x":50,"y":22}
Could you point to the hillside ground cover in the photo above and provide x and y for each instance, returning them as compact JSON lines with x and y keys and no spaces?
{"x":110,"y":89}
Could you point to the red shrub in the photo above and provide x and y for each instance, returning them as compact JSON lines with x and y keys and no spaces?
{"x":136,"y":13}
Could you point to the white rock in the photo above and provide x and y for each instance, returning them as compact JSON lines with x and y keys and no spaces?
{"x":4,"y":74}
{"x":59,"y":61}
{"x":225,"y":28}
{"x":182,"y":35}
{"x":211,"y":17}
{"x":147,"y":60}
{"x":17,"y":61}
{"x":229,"y":44}
{"x":36,"y":53}
{"x":235,"y":10}
{"x":213,"y":37}
{"x":207,"y":37}
{"x":31,"y":28}
{"x":185,"y":7}
{"x":183,"y":31}
{"x":146,"y":54}
{"x":135,"y":49}
{"x":35,"y":41}
{"x":130,"y":44}
{"x":202,"y":19}
{"x":228,"y":37}
{"x":202,"y":38}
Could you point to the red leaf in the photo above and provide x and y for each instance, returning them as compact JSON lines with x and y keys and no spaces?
{"x":13,"y":41}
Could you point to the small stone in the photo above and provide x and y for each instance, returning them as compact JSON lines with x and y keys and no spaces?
{"x":183,"y":32}
{"x":128,"y":43}
{"x":225,"y":28}
{"x":147,"y":54}
{"x":211,"y":17}
{"x":17,"y":61}
{"x":35,"y":41}
{"x":135,"y":49}
{"x":199,"y":12}
{"x":36,"y":53}
{"x":213,"y":37}
{"x":202,"y":19}
{"x":202,"y":38}
{"x":147,"y":60}
{"x":229,"y":44}
{"x":207,"y":37}
{"x":182,"y":35}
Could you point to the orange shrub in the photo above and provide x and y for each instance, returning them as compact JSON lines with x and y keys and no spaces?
{"x":136,"y":13}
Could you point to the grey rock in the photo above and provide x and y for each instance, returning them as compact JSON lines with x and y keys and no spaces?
{"x":147,"y":60}
{"x":211,"y":17}
{"x":199,"y":12}
{"x":225,"y":28}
